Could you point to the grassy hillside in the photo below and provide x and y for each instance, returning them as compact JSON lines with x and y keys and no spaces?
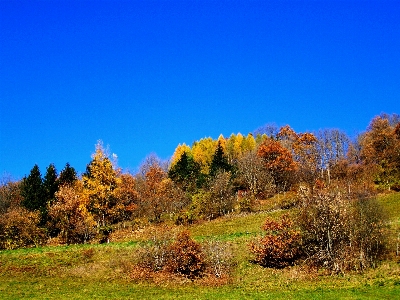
{"x":103,"y":271}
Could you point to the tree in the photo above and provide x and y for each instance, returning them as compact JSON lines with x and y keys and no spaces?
{"x":70,"y":216}
{"x":203,"y":152}
{"x":100,"y":181}
{"x":20,"y":228}
{"x":306,"y":156}
{"x":186,"y":172}
{"x":380,"y":146}
{"x":332,"y":146}
{"x":10,"y":195}
{"x":180,"y":149}
{"x":279,"y":162}
{"x":67,"y":176}
{"x":127,"y":199}
{"x":219,"y":161}
{"x":253,"y":174}
{"x":33,"y":192}
{"x":50,"y":183}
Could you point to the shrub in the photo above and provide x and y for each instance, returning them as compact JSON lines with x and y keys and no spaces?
{"x":280,"y":247}
{"x":186,"y":256}
{"x":341,"y":233}
{"x":154,"y":254}
{"x":219,"y":258}
{"x":19,"y":228}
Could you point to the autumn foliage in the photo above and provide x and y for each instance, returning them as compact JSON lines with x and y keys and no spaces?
{"x":280,"y":246}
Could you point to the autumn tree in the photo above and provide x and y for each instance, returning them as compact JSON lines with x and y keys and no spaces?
{"x":203,"y":151}
{"x":69,"y":214}
{"x":179,"y":150}
{"x":253,"y":175}
{"x":279,"y":162}
{"x":380,"y":147}
{"x":100,"y":181}
{"x":10,"y":195}
{"x":19,"y":227}
{"x":127,"y":199}
{"x":307,"y":158}
{"x":158,"y":194}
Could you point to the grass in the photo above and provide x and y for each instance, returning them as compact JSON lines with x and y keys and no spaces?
{"x":102,"y":271}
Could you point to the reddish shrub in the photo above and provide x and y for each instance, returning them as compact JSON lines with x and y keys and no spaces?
{"x":280,"y":247}
{"x":186,"y":256}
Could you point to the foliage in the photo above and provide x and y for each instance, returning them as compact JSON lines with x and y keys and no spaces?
{"x":280,"y":247}
{"x":253,"y":175}
{"x":10,"y":195}
{"x":380,"y":147}
{"x":341,"y":233}
{"x":67,"y":176}
{"x":219,"y":162}
{"x":186,"y":256}
{"x":32,"y":191}
{"x":217,"y":201}
{"x":69,"y":215}
{"x":186,"y":172}
{"x":19,"y":228}
{"x":100,"y":180}
{"x":279,"y":162}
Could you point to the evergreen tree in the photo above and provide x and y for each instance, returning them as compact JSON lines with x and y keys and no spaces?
{"x":185,"y":172}
{"x":219,"y":161}
{"x":32,"y":190}
{"x":50,"y":183}
{"x":67,"y":176}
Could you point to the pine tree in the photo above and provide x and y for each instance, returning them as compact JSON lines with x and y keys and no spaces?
{"x":219,"y":161}
{"x":67,"y":176}
{"x":50,"y":183}
{"x":185,"y":172}
{"x":32,"y":190}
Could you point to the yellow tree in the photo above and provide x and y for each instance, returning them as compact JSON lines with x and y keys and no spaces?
{"x":203,"y":152}
{"x":69,"y":214}
{"x":100,"y":180}
{"x":249,"y":143}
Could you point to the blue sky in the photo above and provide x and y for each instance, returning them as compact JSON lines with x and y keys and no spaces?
{"x":144,"y":76}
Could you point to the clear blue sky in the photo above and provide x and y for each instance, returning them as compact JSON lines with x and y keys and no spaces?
{"x":144,"y":76}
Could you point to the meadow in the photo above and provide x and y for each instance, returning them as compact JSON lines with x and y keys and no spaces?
{"x":102,"y":271}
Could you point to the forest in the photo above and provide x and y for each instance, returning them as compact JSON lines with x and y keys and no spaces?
{"x":324,"y":185}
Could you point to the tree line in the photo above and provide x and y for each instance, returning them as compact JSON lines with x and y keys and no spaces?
{"x":209,"y":179}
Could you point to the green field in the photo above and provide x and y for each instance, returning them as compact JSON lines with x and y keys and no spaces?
{"x":102,"y":271}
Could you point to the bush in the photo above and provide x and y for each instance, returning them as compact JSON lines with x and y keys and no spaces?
{"x":19,"y":228}
{"x":186,"y":256}
{"x":219,"y":258}
{"x":280,"y":247}
{"x":341,"y":233}
{"x":181,"y":256}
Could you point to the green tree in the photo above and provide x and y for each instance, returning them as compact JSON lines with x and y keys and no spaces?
{"x":185,"y":172}
{"x":67,"y":176}
{"x":219,"y":161}
{"x":50,"y":183}
{"x":33,"y":192}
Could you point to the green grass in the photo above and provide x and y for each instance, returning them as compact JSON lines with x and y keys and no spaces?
{"x":101,"y":271}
